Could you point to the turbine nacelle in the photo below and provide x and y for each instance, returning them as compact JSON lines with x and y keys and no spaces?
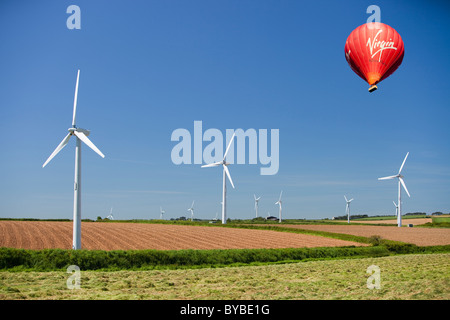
{"x":84,"y":131}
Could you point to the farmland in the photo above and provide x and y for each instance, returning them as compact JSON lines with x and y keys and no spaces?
{"x":124,"y":260}
{"x":417,"y":236}
{"x":403,"y":277}
{"x":138,"y":236}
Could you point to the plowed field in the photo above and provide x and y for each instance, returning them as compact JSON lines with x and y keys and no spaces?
{"x":125,"y":236}
{"x":405,"y":222}
{"x":418,"y":236}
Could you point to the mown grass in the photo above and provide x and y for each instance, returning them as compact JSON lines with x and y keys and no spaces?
{"x":438,"y":222}
{"x":404,"y":277}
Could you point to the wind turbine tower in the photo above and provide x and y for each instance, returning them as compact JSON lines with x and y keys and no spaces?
{"x":396,"y":209}
{"x":400,"y":184}
{"x":81,"y":136}
{"x":347,"y":208}
{"x":191,"y":209}
{"x":110,"y":217}
{"x":256,"y":205}
{"x":279,"y":203}
{"x":226,"y":173}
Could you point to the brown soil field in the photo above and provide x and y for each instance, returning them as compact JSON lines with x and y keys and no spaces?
{"x":405,"y":222}
{"x":126,"y":236}
{"x":418,"y":236}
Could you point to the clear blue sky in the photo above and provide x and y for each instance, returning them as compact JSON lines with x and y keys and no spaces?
{"x":150,"y":67}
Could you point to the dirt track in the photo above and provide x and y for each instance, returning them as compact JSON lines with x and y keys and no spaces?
{"x":125,"y":236}
{"x":418,"y":236}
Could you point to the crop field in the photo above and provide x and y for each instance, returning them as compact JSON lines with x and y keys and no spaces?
{"x":189,"y":262}
{"x":404,"y":277}
{"x":137,"y":236}
{"x":417,"y":236}
{"x":414,"y":221}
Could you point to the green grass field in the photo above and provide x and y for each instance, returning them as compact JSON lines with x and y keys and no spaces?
{"x":413,"y":276}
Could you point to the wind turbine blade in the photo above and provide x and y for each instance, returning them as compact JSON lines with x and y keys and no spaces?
{"x":394,"y":204}
{"x":345,"y":198}
{"x":228,"y":175}
{"x":215,"y":164}
{"x":192,"y":207}
{"x":254,"y":196}
{"x":404,"y":186}
{"x":386,"y":178}
{"x":229,"y":145}
{"x":280,"y":195}
{"x":86,"y":140}
{"x":75,"y":99}
{"x":58,"y":149}
{"x":403,"y":163}
{"x":350,"y":200}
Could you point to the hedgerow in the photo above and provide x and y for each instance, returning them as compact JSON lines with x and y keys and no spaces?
{"x":58,"y":259}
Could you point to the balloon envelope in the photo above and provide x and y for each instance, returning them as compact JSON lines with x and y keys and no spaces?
{"x":374,"y":51}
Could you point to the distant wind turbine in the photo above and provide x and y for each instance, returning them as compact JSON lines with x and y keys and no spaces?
{"x":191,"y":209}
{"x":396,"y":209}
{"x":81,"y":135}
{"x":162,"y":213}
{"x":400,"y":183}
{"x":279,"y":203}
{"x":226,"y":173}
{"x":256,"y":205}
{"x":110,"y":217}
{"x":347,"y":208}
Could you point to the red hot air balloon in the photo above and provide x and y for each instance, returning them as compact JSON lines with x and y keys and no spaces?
{"x":374,"y":51}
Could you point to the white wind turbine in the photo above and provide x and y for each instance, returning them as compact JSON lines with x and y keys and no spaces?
{"x":191,"y":209}
{"x":110,"y":217}
{"x":226,"y":173}
{"x":396,"y":209}
{"x":162,"y":213}
{"x":256,"y":205}
{"x":347,"y":208}
{"x":279,"y":203}
{"x":400,"y":183}
{"x":81,"y":135}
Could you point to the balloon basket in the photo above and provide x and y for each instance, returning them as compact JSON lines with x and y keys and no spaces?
{"x":373,"y":88}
